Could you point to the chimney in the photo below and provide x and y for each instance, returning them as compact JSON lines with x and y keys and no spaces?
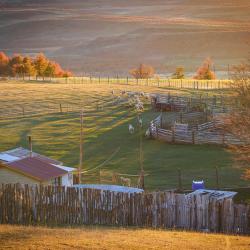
{"x":30,"y":144}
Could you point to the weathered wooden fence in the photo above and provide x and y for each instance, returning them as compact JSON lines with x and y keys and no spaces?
{"x":75,"y":206}
{"x":199,"y":136}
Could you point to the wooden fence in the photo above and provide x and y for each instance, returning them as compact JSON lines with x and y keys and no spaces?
{"x":199,"y":136}
{"x":156,"y":82}
{"x":49,"y":205}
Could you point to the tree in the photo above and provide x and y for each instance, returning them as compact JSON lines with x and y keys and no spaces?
{"x":16,"y":65}
{"x":179,"y":73}
{"x":67,"y":74}
{"x":238,"y":122}
{"x":29,"y":67}
{"x":204,"y":72}
{"x":41,"y":64}
{"x":4,"y":61}
{"x":143,"y":72}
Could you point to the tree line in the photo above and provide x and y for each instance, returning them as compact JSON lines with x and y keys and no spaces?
{"x":19,"y":65}
{"x":204,"y":72}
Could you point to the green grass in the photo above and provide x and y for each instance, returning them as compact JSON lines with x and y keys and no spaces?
{"x":57,"y":135}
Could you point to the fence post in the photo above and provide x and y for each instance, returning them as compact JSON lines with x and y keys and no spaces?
{"x":173,"y":135}
{"x":179,"y":180}
{"x":217,"y":178}
{"x":23,"y":111}
{"x":60,"y":108}
{"x":158,"y":82}
{"x":127,"y":80}
{"x":193,"y":137}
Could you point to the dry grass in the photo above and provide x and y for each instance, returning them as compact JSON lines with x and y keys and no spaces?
{"x":20,"y":237}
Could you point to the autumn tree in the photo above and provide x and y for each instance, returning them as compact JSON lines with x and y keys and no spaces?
{"x":41,"y":64}
{"x":29,"y":67}
{"x":238,"y":122}
{"x":16,"y":65}
{"x":4,"y":61}
{"x":204,"y":72}
{"x":143,"y":72}
{"x":179,"y":73}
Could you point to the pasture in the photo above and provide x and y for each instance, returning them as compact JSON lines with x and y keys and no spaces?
{"x":50,"y":113}
{"x":20,"y":237}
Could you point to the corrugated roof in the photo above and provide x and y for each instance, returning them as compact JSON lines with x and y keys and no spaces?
{"x":24,"y":153}
{"x":36,"y":168}
{"x":8,"y":158}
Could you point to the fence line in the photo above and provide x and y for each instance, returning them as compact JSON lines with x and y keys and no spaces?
{"x":50,"y":205}
{"x":156,"y":82}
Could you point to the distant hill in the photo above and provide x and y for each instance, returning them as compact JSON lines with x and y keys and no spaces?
{"x":112,"y":36}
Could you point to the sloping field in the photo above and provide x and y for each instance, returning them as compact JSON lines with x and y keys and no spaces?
{"x":111,"y":37}
{"x":19,"y":237}
{"x":56,"y":134}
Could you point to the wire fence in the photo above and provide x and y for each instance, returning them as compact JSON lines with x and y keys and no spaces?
{"x":153,"y":82}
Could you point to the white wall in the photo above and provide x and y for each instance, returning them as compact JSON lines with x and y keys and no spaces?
{"x":67,"y":179}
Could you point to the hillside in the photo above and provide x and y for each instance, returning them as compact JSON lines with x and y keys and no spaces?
{"x":19,"y":237}
{"x":110,"y":37}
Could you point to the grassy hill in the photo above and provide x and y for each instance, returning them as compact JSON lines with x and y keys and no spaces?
{"x":20,"y":237}
{"x":56,"y":134}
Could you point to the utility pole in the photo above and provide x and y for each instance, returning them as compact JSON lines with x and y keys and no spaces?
{"x":141,"y":154}
{"x":81,"y":147}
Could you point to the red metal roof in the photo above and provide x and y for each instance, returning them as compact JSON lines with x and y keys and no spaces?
{"x":36,"y":168}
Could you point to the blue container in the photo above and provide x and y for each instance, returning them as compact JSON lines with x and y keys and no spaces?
{"x":196,"y":185}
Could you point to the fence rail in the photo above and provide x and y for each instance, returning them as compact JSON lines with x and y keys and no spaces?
{"x":157,"y":82}
{"x":50,"y":205}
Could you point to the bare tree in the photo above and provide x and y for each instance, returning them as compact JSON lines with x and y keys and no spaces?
{"x":143,"y":72}
{"x":238,"y":122}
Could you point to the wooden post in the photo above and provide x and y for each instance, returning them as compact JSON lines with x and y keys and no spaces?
{"x":99,"y":79}
{"x":108,"y":79}
{"x":81,"y":147}
{"x":23,"y":111}
{"x":193,"y":137}
{"x":179,"y":181}
{"x":127,"y":80}
{"x":217,"y":178}
{"x":60,"y":108}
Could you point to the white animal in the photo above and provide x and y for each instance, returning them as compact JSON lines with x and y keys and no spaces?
{"x":147,"y":134}
{"x":139,"y":106}
{"x":140,"y":122}
{"x":125,"y":181}
{"x":131,"y":129}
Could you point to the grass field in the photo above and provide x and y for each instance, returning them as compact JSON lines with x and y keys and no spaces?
{"x":56,"y":134}
{"x":19,"y":237}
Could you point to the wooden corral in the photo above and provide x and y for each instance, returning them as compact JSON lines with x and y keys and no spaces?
{"x":34,"y":205}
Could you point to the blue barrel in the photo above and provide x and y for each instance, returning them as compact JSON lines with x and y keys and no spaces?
{"x":196,"y":185}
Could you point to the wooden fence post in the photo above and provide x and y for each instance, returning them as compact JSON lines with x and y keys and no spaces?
{"x":217,"y":178}
{"x":23,"y":111}
{"x":179,"y":181}
{"x":60,"y":107}
{"x":127,"y":80}
{"x":193,"y":137}
{"x":108,"y":79}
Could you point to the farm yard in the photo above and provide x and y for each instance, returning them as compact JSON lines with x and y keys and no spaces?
{"x":50,"y":113}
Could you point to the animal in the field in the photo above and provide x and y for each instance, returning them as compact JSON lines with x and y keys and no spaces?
{"x":131,"y":129}
{"x":147,"y":134}
{"x":112,"y":92}
{"x":139,"y":106}
{"x":123,"y":92}
{"x":140,"y":121}
{"x":125,"y":181}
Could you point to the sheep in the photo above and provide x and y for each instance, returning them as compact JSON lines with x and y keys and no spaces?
{"x":140,"y":121}
{"x":131,"y":129}
{"x":148,"y":134}
{"x":125,"y":181}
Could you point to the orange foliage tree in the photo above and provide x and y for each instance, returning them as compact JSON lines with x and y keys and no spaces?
{"x":204,"y":72}
{"x":143,"y":72}
{"x":19,"y":65}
